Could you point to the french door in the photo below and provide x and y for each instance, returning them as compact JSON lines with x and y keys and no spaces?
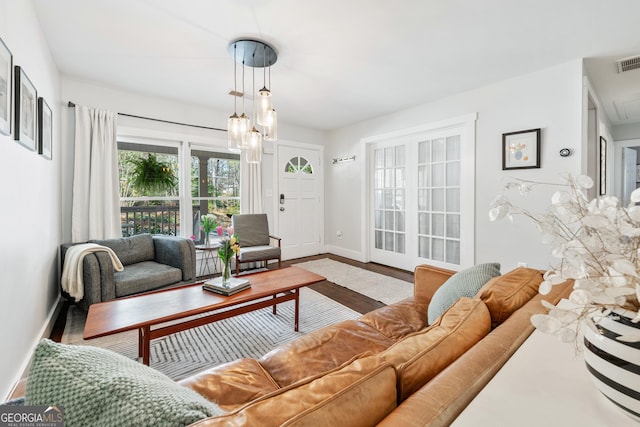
{"x":421,"y":204}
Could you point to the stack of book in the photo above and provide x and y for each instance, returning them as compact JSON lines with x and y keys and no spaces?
{"x":235,"y":285}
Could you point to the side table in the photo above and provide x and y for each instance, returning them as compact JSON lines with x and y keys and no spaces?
{"x":544,"y":383}
{"x":210,"y":260}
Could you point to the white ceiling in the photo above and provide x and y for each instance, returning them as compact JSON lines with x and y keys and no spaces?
{"x":340,"y":61}
{"x":619,"y":93}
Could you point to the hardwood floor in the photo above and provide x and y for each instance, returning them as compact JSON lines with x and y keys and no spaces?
{"x":355,"y":301}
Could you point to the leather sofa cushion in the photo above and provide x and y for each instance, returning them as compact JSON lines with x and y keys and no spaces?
{"x":421,"y":356}
{"x":322,"y":350}
{"x":427,"y":279}
{"x":505,"y":294}
{"x":144,"y":276}
{"x":232,"y":384}
{"x":358,"y":394}
{"x":399,"y":319}
{"x":131,"y":250}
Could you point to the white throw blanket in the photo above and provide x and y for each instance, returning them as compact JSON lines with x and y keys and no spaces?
{"x":72,"y":270}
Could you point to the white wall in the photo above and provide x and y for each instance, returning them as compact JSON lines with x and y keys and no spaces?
{"x":30,"y":214}
{"x":94,"y":95}
{"x":550,"y":99}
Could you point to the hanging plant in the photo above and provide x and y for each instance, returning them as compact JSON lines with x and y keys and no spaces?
{"x":149,"y":175}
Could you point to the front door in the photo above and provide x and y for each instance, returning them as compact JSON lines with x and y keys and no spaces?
{"x":298,"y":201}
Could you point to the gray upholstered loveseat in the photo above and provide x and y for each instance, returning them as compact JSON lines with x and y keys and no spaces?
{"x":150,"y":262}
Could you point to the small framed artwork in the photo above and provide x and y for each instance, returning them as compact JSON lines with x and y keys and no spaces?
{"x":603,"y":166}
{"x":45,"y":129}
{"x":6,"y":70}
{"x":521,"y":150}
{"x":25,"y":110}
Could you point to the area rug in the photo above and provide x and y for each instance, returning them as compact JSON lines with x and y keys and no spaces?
{"x":377,"y":286}
{"x":248,"y":335}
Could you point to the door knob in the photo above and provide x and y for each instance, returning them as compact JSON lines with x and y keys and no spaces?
{"x":281,"y":209}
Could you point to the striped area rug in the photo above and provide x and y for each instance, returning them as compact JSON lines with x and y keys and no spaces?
{"x":248,"y":335}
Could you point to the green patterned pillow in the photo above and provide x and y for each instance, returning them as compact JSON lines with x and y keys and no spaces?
{"x":98,"y":387}
{"x":465,"y":283}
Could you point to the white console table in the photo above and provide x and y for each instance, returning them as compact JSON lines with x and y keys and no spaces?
{"x":545,"y":383}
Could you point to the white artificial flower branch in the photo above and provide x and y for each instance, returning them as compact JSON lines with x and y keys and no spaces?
{"x":598,"y":244}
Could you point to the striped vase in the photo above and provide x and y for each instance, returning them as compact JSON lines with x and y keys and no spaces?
{"x":613,"y":365}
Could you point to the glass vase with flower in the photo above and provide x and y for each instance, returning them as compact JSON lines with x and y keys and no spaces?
{"x":229,"y":247}
{"x":208,"y":223}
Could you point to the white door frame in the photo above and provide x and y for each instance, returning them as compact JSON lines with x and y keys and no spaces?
{"x":617,"y":167}
{"x":467,"y":120}
{"x":276,"y":185}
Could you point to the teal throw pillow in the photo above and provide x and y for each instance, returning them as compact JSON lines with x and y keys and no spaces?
{"x":98,"y":387}
{"x":464,"y":283}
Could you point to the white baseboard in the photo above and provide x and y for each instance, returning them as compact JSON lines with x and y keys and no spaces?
{"x":347,"y":253}
{"x":45,"y":332}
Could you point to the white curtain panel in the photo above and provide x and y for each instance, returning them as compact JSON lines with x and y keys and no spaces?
{"x":255,"y":188}
{"x":95,"y":210}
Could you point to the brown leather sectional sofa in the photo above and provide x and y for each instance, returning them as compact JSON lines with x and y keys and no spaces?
{"x":386,"y":368}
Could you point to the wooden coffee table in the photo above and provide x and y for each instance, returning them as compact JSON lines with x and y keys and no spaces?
{"x":191,"y":306}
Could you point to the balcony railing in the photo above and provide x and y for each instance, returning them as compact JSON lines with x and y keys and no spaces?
{"x":165,"y":219}
{"x":150,"y":219}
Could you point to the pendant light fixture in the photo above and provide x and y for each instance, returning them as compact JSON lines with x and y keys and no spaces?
{"x":270,"y":120}
{"x":244,"y":122}
{"x":245,"y":136}
{"x":271,"y":128}
{"x":264,"y":96}
{"x":254,"y":138}
{"x":234,"y":134}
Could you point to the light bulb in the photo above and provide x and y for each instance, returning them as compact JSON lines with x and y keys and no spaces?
{"x":264,"y":105}
{"x":271,"y":129}
{"x":234,"y":133}
{"x":254,"y":146}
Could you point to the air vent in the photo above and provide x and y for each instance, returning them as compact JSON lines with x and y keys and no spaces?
{"x":628,"y":64}
{"x":235,"y":93}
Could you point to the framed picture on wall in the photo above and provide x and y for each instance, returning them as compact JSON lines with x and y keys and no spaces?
{"x":25,"y":110}
{"x":6,"y":68}
{"x":521,"y":150}
{"x":45,"y":129}
{"x":603,"y":166}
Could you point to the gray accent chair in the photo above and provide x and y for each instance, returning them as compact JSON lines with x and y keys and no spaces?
{"x":255,"y":241}
{"x":150,"y":262}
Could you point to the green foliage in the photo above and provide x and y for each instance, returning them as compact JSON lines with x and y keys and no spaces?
{"x":151,"y":176}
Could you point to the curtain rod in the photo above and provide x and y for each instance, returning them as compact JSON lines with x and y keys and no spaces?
{"x":72,"y":105}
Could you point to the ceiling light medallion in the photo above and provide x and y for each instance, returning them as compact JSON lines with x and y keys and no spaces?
{"x":244,"y":136}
